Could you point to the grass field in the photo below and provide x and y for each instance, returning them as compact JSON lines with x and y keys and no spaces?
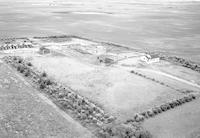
{"x":23,"y":113}
{"x":182,"y":122}
{"x":118,"y":91}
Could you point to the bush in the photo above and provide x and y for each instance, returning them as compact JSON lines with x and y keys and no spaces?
{"x":182,"y":100}
{"x":155,"y":111}
{"x":124,"y":131}
{"x":163,"y":108}
{"x":44,"y":74}
{"x":22,"y":69}
{"x":27,"y":73}
{"x":20,"y":60}
{"x":15,"y":58}
{"x":179,"y":101}
{"x":48,"y":82}
{"x":42,"y":86}
{"x":18,"y":68}
{"x":172,"y":104}
{"x":150,"y":113}
{"x":143,"y":134}
{"x":159,"y":110}
{"x":139,"y":118}
{"x":29,"y":64}
{"x":145,"y":114}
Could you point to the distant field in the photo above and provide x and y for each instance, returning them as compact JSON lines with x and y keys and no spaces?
{"x":169,"y":26}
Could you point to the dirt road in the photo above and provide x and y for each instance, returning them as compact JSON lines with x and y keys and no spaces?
{"x":172,"y":77}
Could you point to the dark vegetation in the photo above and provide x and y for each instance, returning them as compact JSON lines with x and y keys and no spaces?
{"x":139,"y":117}
{"x":10,"y":46}
{"x":183,"y":62}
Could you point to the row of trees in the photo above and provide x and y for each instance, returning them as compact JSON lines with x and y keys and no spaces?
{"x":7,"y":47}
{"x":162,"y":108}
{"x":183,"y":62}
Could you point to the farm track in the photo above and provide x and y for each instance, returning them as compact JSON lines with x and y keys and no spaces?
{"x":172,"y":77}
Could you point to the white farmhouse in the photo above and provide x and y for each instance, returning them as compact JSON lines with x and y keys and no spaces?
{"x":149,"y":59}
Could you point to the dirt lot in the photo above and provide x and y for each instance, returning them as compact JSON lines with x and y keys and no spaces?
{"x":26,"y":113}
{"x":182,"y":122}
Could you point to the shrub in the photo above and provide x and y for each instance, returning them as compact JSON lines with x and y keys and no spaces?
{"x":132,"y":71}
{"x":142,"y":134}
{"x":61,"y":95}
{"x":22,"y":69}
{"x":44,"y":74}
{"x":124,"y":131}
{"x":167,"y":106}
{"x":145,"y":114}
{"x":182,"y":100}
{"x":18,"y":68}
{"x":20,"y":60}
{"x":150,"y":113}
{"x":172,"y":104}
{"x":48,"y":82}
{"x":15,"y":58}
{"x":179,"y":101}
{"x":27,"y":73}
{"x":139,"y":117}
{"x":193,"y":96}
{"x":163,"y":108}
{"x":158,"y":109}
{"x":155,"y":111}
{"x":42,"y":85}
{"x":29,"y":64}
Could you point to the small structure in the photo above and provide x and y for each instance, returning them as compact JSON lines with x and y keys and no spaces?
{"x":44,"y":50}
{"x":150,"y":59}
{"x":107,"y":59}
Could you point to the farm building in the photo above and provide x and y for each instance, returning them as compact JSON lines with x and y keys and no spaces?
{"x":107,"y":59}
{"x":150,"y":59}
{"x":44,"y":50}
